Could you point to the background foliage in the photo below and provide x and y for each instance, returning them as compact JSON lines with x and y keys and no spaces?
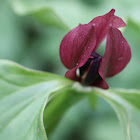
{"x":30,"y":34}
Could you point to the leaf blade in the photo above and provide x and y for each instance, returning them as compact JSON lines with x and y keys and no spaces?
{"x":22,"y":109}
{"x":127,"y":112}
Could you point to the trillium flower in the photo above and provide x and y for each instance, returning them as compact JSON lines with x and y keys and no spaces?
{"x":78,"y":51}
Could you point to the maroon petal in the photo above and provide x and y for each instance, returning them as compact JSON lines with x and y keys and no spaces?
{"x":103,"y":23}
{"x":102,"y":84}
{"x":71,"y":74}
{"x":117,"y":54}
{"x":77,"y":45}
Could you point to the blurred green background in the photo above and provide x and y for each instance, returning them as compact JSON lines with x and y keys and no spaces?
{"x":30,"y":34}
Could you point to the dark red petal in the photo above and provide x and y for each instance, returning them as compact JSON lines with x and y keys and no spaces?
{"x":71,"y":74}
{"x":102,"y":84}
{"x":77,"y":45}
{"x":103,"y":23}
{"x":117,"y":54}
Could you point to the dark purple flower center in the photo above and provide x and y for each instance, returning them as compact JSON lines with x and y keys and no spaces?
{"x":89,"y":71}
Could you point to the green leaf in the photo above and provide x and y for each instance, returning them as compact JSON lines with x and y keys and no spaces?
{"x":23,"y":96}
{"x":126,"y":104}
{"x":56,"y":108}
{"x":48,"y":17}
{"x":11,"y":34}
{"x":40,"y":11}
{"x":24,"y":93}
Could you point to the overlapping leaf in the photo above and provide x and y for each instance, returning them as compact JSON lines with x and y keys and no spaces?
{"x":24,"y":94}
{"x":126,"y":104}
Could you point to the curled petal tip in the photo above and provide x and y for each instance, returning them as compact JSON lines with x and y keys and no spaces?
{"x":112,"y":11}
{"x":104,"y":22}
